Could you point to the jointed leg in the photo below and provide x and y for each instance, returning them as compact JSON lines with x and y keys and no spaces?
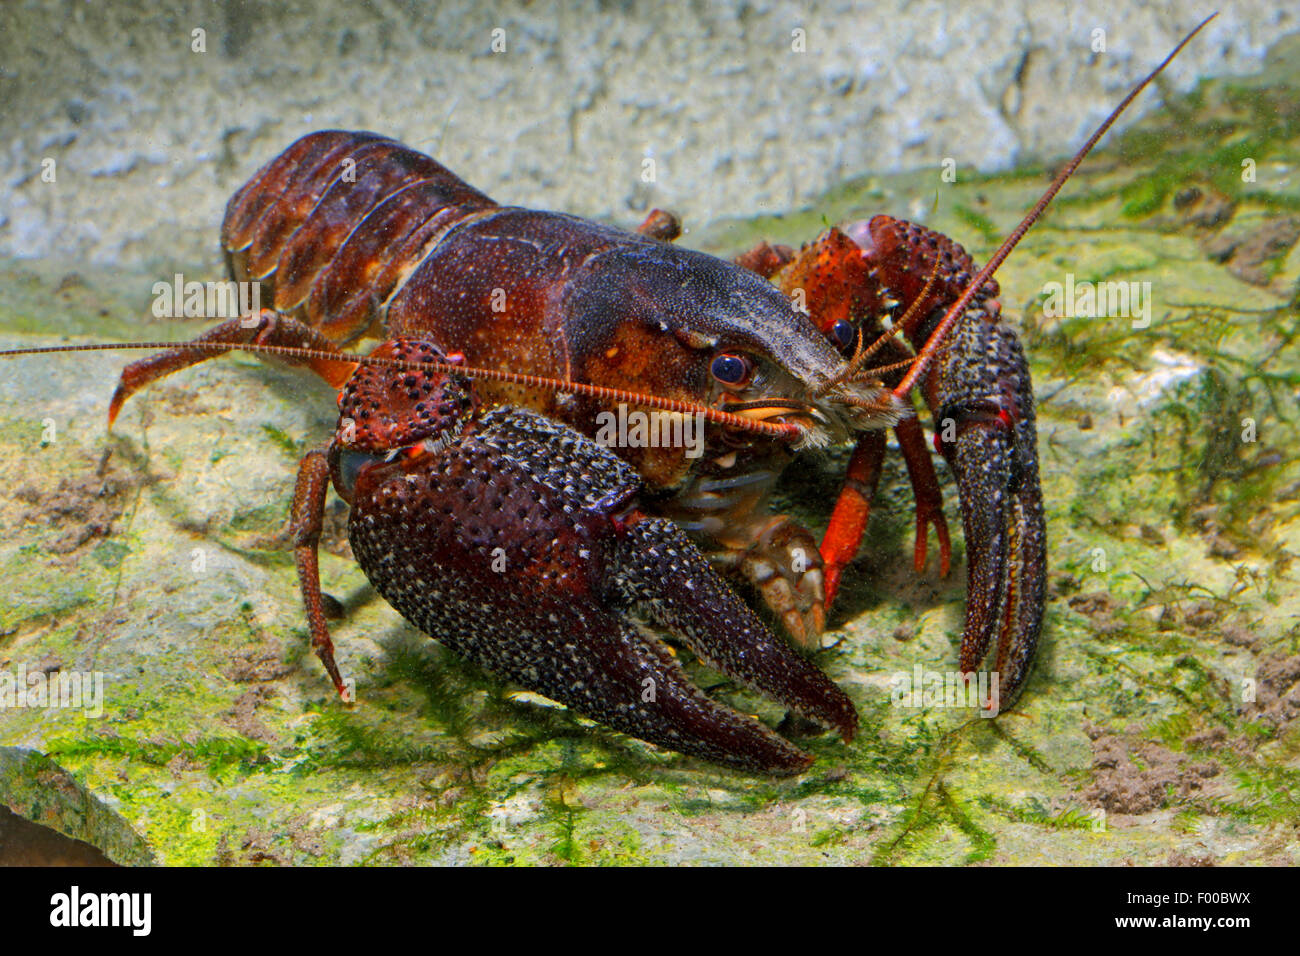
{"x":305,"y":525}
{"x":929,"y":499}
{"x":270,"y":328}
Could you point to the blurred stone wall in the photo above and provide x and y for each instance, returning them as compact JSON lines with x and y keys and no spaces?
{"x":149,"y":137}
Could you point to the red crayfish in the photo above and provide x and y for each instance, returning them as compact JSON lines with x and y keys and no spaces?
{"x":485,"y":508}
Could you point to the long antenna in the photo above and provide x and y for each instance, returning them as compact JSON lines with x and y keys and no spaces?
{"x":926,"y":355}
{"x":718,"y":417}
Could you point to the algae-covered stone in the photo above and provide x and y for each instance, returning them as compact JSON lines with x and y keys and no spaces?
{"x":37,"y":789}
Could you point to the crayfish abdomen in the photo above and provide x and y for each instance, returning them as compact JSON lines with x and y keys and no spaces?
{"x":334,"y":223}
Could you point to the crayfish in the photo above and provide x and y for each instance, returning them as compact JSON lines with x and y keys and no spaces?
{"x":486,"y":512}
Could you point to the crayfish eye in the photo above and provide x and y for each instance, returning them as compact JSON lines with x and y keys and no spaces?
{"x":731,"y":369}
{"x":842,"y":333}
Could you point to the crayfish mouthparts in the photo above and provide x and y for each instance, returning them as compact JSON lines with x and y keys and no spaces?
{"x":833,"y":417}
{"x":867,"y":407}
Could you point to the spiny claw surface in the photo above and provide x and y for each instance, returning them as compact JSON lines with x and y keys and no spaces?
{"x":984,"y":389}
{"x":519,"y":545}
{"x":665,"y":575}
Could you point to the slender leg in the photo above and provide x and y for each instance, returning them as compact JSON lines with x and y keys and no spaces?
{"x":849,"y":519}
{"x":271,"y":328}
{"x":929,"y":499}
{"x":305,"y":524}
{"x":852,"y":509}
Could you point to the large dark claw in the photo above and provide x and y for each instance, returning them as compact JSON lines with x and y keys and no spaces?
{"x":665,"y":575}
{"x":519,"y":545}
{"x":985,"y":429}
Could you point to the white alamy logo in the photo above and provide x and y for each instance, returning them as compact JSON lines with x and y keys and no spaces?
{"x":66,"y":689}
{"x":923,"y":688}
{"x":1096,"y":300}
{"x":75,"y":908}
{"x":206,"y":300}
{"x":657,"y":429}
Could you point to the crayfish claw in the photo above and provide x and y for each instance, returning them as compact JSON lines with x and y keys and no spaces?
{"x":518,"y":544}
{"x":666,"y":576}
{"x":987,"y":407}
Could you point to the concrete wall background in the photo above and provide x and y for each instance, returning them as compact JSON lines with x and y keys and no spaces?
{"x":150,"y":138}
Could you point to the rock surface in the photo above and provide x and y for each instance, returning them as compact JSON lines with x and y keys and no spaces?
{"x":739,"y":112}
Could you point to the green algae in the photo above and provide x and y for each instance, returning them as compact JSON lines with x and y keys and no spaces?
{"x":35,"y":787}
